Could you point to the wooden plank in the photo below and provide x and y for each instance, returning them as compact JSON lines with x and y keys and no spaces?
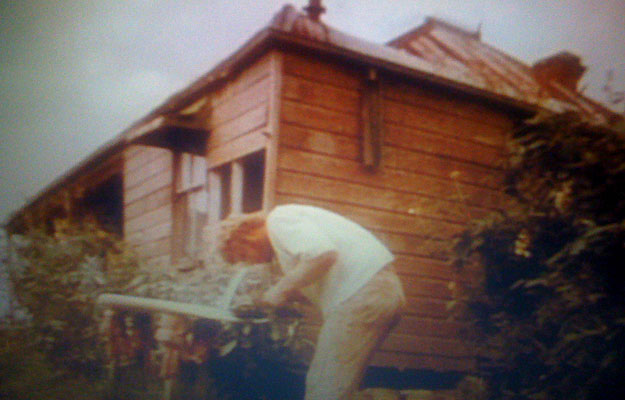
{"x":215,"y":200}
{"x":256,"y":72}
{"x":442,"y":167}
{"x":389,"y":200}
{"x":133,"y":150}
{"x":148,"y":203}
{"x":150,"y":234}
{"x":155,"y":217}
{"x":427,"y":327}
{"x":410,"y":181}
{"x":236,"y":189}
{"x":320,"y":70}
{"x":439,"y":145}
{"x":443,"y":124}
{"x":150,"y":185}
{"x":320,"y":118}
{"x":426,"y":346}
{"x":426,"y":287}
{"x":253,"y":119}
{"x":400,"y":243}
{"x":371,"y":123}
{"x":236,"y":148}
{"x":241,"y":103}
{"x":149,"y":154}
{"x":423,"y":307}
{"x":157,"y":232}
{"x":412,"y":265}
{"x":135,"y":177}
{"x":402,"y":360}
{"x":273,"y":129}
{"x":448,"y":102}
{"x":321,"y":95}
{"x":319,"y":141}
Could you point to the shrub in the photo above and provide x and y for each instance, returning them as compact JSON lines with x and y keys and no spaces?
{"x":551,"y":307}
{"x":57,"y":278}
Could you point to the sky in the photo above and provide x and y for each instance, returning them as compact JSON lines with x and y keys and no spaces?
{"x":74,"y":74}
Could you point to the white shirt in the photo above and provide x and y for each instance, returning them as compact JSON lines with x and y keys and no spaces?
{"x":304,"y":232}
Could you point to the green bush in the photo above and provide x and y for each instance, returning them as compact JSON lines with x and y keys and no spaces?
{"x":26,"y":373}
{"x":57,"y":279}
{"x":550,"y":312}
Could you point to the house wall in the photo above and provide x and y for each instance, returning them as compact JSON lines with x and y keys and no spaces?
{"x":440,"y":167}
{"x":148,"y":179}
{"x":240,"y":114}
{"x":238,"y":123}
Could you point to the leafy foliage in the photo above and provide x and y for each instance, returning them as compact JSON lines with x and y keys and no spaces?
{"x":262,"y":360}
{"x":57,"y":278}
{"x":27,"y":373}
{"x":551,"y":307}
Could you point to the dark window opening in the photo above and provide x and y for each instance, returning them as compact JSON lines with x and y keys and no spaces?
{"x":253,"y":182}
{"x":105,"y":204}
{"x":225,"y":181}
{"x":237,"y":187}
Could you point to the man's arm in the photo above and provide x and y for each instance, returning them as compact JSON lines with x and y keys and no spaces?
{"x":303,"y":274}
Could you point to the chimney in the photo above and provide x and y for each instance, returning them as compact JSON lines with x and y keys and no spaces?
{"x":314,"y":9}
{"x":564,"y":68}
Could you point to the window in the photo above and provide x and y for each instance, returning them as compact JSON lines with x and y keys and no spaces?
{"x":190,"y":204}
{"x":237,"y":187}
{"x":253,"y":182}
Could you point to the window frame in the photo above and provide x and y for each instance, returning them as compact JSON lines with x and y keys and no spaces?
{"x":236,"y":187}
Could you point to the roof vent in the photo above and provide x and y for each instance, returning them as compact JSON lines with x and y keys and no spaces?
{"x":563,"y":68}
{"x":314,"y":9}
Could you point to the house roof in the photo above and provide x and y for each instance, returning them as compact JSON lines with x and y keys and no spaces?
{"x":490,"y":69}
{"x":436,"y":52}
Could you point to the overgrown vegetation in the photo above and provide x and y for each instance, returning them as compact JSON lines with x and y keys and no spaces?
{"x":59,"y":350}
{"x":55,"y":352}
{"x":550,"y":311}
{"x":57,"y":279}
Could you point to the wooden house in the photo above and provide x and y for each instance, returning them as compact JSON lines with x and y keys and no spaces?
{"x":408,"y":139}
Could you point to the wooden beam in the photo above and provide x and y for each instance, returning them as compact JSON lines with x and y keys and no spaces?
{"x":371,"y":120}
{"x":273,"y":130}
{"x":214,"y":199}
{"x":236,"y":188}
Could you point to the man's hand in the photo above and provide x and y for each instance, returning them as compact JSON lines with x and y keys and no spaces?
{"x":303,"y":274}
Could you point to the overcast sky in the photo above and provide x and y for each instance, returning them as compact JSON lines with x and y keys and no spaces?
{"x":76,"y":73}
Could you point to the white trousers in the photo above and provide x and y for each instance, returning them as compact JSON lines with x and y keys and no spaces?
{"x":350,"y":335}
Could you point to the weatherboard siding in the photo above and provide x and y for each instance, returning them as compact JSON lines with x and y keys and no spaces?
{"x":441,"y":166}
{"x":240,"y":114}
{"x":148,"y":181}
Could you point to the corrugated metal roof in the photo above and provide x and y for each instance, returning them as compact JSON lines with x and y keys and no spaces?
{"x":441,"y":43}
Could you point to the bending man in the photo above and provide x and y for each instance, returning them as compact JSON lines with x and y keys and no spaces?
{"x":343,"y":269}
